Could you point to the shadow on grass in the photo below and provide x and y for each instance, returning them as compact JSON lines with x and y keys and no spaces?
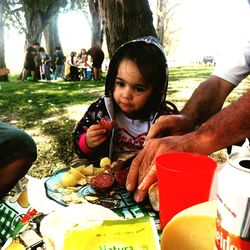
{"x":30,"y":103}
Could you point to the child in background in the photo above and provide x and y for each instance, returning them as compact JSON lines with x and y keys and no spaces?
{"x":82,"y":63}
{"x":45,"y":64}
{"x":135,"y":93}
{"x":73,"y":70}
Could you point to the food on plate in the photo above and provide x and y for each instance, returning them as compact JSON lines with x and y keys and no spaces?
{"x":86,"y":170}
{"x":98,"y":171}
{"x":191,"y":229}
{"x":107,"y":123}
{"x":78,"y":175}
{"x":55,"y":225}
{"x":153,"y":195}
{"x":73,"y":198}
{"x":105,"y":162}
{"x":68,"y":180}
{"x":121,"y":176}
{"x":102,"y":182}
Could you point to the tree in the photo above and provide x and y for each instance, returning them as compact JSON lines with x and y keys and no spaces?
{"x":96,"y":24}
{"x":31,"y":17}
{"x":165,"y":10}
{"x":3,"y":77}
{"x":51,"y":35}
{"x":125,"y":20}
{"x":38,"y":14}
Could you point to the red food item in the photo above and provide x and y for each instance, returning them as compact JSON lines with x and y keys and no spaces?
{"x":102,"y":182}
{"x":121,"y":176}
{"x":107,"y":124}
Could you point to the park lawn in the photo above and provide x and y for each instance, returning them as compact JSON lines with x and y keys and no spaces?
{"x":48,"y":111}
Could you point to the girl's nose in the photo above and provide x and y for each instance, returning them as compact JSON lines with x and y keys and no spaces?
{"x":126,"y":93}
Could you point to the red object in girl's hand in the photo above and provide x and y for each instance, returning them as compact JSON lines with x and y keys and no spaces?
{"x":107,"y":124}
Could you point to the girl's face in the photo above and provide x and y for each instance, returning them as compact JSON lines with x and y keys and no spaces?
{"x":130,"y":92}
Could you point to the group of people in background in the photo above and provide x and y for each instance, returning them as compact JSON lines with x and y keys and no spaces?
{"x":85,"y":65}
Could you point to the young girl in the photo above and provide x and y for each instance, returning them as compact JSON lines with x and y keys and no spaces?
{"x":135,"y":93}
{"x":82,"y":63}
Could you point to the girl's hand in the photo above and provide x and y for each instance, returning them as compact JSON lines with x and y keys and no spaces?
{"x":95,"y":136}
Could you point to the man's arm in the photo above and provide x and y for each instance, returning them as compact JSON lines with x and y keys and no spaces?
{"x":206,"y":100}
{"x":227,"y":127}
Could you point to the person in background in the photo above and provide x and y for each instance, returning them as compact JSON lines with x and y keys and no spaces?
{"x":17,"y":153}
{"x":45,"y":66}
{"x":37,"y":59}
{"x":202,"y":126}
{"x":97,"y":56}
{"x":82,"y":63}
{"x":29,"y":64}
{"x":135,"y":93}
{"x":59,"y":63}
{"x":73,"y":69}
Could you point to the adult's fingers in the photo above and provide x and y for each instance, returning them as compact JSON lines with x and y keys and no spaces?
{"x":149,"y":179}
{"x":142,"y":191}
{"x":154,"y":131}
{"x":132,"y":178}
{"x":161,"y":127}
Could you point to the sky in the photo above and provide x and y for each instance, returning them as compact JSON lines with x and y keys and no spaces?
{"x":207,"y":27}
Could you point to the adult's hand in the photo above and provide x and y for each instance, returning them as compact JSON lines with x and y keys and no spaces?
{"x":142,"y":172}
{"x":167,"y":125}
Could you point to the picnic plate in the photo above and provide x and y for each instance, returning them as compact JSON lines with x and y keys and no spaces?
{"x":121,"y":201}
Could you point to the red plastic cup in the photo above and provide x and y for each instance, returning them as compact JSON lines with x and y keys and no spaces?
{"x":184,"y":180}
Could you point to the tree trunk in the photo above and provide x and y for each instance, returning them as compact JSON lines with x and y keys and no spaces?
{"x":37,"y":16}
{"x":51,"y":36}
{"x":96,"y":24}
{"x":4,"y":77}
{"x":125,"y":20}
{"x":161,"y":19}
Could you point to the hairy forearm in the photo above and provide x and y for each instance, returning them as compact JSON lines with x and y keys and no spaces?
{"x":207,"y":100}
{"x":229,"y":126}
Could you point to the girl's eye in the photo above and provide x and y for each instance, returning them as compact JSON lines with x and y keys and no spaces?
{"x":139,"y":89}
{"x":121,"y":84}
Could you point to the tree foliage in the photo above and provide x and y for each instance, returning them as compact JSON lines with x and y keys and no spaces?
{"x":31,"y":17}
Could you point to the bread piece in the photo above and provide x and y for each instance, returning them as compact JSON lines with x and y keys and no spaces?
{"x":153,"y":194}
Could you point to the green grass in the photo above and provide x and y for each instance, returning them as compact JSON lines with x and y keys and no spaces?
{"x":48,"y":111}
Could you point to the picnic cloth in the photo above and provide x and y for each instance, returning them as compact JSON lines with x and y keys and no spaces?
{"x":11,"y":210}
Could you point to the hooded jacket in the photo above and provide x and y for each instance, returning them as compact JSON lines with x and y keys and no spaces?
{"x":104,"y":106}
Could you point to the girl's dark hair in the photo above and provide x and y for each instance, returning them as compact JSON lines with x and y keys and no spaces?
{"x":152,"y":65}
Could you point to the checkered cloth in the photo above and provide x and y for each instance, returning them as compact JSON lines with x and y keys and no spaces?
{"x":7,"y":222}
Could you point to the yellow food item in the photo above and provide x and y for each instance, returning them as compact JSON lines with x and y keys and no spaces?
{"x":89,"y":170}
{"x":78,"y":175}
{"x":192,"y":229}
{"x":105,"y":161}
{"x":16,"y":246}
{"x":68,"y":180}
{"x":98,"y":171}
